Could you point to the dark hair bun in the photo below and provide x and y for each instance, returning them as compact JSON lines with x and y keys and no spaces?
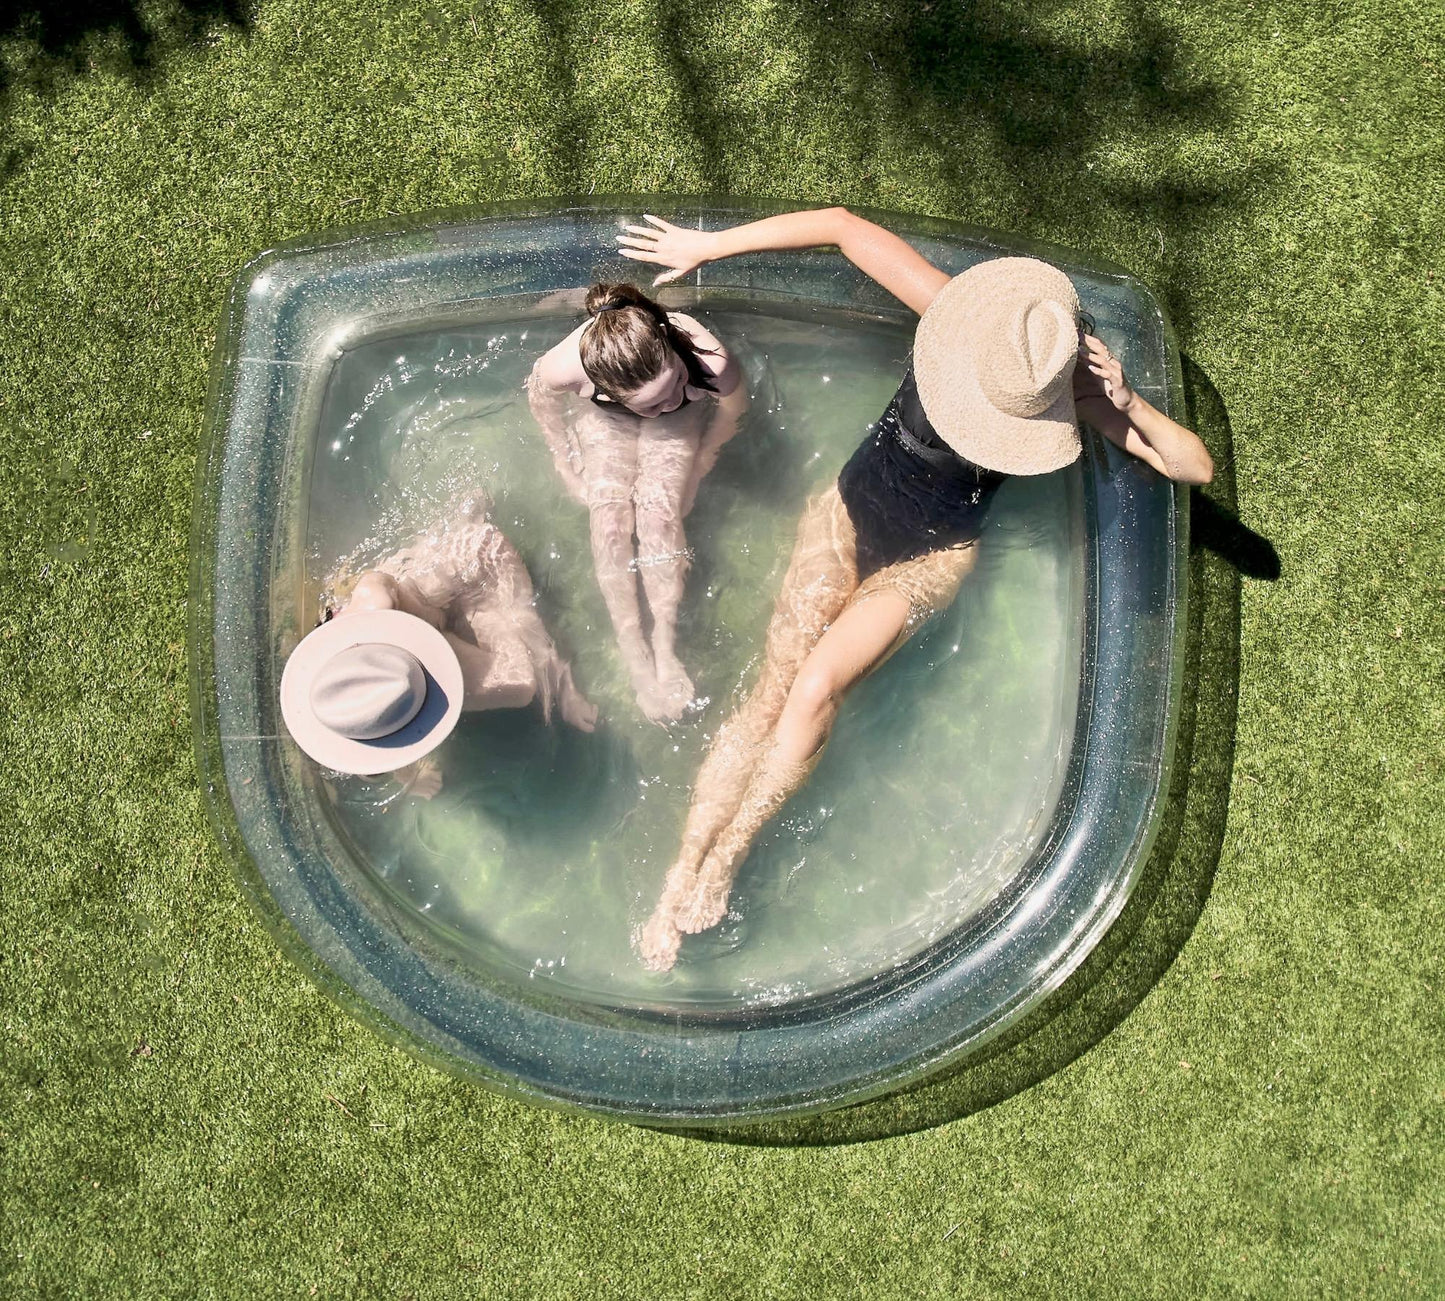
{"x":604,"y":297}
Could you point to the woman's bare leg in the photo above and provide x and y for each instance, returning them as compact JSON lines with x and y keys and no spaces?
{"x":609,"y":449}
{"x":497,"y":677}
{"x":666,"y":449}
{"x":500,"y":613}
{"x":821,"y":576}
{"x":523,"y":656}
{"x":879,"y":618}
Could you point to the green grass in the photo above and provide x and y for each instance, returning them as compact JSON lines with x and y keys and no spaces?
{"x":182,"y":1114}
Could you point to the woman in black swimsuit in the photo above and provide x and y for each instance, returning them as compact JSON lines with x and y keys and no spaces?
{"x":993,"y":389}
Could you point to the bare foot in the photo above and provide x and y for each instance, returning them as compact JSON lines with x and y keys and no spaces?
{"x":707,"y":902}
{"x":576,"y":708}
{"x":658,"y":942}
{"x":675,"y":682}
{"x":656,"y":701}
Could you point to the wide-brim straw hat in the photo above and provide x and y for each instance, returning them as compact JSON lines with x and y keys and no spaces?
{"x":370,"y":692}
{"x":993,"y":359}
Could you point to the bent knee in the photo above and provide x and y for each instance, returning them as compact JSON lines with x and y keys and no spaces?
{"x":374,"y":590}
{"x":816,"y":691}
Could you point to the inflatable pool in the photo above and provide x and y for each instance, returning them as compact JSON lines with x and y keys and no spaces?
{"x":981,"y":817}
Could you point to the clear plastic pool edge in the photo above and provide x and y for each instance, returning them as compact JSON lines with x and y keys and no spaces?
{"x":654,"y":1065}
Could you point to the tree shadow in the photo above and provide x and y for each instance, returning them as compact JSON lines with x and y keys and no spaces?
{"x":1166,"y":904}
{"x":67,"y":38}
{"x":1003,"y":109}
{"x":56,"y":43}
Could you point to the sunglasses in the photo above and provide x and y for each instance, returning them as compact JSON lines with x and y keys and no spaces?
{"x":1086,"y":324}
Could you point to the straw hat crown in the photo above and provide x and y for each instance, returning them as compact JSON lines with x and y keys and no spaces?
{"x":993,"y":359}
{"x":1028,"y":356}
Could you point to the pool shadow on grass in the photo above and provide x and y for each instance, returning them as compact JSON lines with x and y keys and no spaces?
{"x":1166,"y":904}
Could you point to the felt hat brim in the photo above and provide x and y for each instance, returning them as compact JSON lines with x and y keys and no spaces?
{"x":440,"y":708}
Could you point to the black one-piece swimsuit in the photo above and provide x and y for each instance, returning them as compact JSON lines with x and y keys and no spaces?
{"x":907,"y":492}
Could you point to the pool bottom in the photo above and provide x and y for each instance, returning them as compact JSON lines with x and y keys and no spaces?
{"x":546,"y":848}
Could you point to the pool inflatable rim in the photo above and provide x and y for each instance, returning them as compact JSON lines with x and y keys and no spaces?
{"x":203,"y":687}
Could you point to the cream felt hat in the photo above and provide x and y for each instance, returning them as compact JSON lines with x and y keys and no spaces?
{"x":370,"y":692}
{"x":994,"y":362}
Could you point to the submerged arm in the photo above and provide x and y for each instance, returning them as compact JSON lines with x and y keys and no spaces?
{"x":878,"y":253}
{"x":549,"y":409}
{"x":726,"y":417}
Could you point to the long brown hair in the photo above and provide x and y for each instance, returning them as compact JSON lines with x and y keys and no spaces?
{"x":629,"y":340}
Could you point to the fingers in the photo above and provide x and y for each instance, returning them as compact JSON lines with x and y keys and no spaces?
{"x":666,"y":279}
{"x":658,"y":221}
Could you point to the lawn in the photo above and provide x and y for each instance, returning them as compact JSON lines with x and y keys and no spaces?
{"x":1240,"y":1093}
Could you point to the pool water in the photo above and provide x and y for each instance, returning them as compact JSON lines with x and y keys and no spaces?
{"x":546,"y":848}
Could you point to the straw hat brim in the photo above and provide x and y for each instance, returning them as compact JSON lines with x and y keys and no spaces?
{"x":945,"y":353}
{"x":427,"y":730}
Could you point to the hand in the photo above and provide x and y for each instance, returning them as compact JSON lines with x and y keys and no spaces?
{"x":1094,"y":353}
{"x":671,"y":246}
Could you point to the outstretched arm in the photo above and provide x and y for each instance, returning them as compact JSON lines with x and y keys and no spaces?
{"x":878,"y":253}
{"x":1102,"y":397}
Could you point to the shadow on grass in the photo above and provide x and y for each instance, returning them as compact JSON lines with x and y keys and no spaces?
{"x":51,"y":45}
{"x":999,"y":103}
{"x":67,"y":38}
{"x":1171,"y":893}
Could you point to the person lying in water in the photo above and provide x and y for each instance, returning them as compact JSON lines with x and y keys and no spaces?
{"x":663,"y":396}
{"x":466,"y":581}
{"x":1002,"y":372}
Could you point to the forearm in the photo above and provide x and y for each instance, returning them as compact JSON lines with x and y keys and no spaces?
{"x":549,"y":409}
{"x":879,"y":254}
{"x":788,"y":230}
{"x":1181,"y":451}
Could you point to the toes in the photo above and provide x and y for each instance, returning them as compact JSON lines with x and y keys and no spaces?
{"x":658,"y":944}
{"x":660,"y":707}
{"x":704,"y":910}
{"x":679,"y":688}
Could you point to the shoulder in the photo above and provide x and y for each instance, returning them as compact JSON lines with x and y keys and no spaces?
{"x":561,"y":366}
{"x":713,"y":355}
{"x":701,"y":336}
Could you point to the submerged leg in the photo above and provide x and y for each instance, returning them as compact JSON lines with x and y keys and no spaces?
{"x":821,"y":576}
{"x":664,"y":469}
{"x":522,"y":659}
{"x":880,"y":617}
{"x":495,"y":675}
{"x":609,"y":447}
{"x":499,"y":613}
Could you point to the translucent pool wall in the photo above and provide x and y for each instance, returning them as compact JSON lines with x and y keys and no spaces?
{"x":291,"y":314}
